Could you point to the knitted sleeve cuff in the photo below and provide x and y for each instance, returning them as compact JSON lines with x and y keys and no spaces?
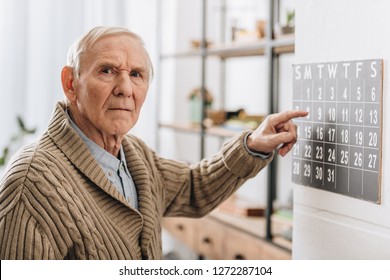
{"x":253,"y":153}
{"x":239,"y":161}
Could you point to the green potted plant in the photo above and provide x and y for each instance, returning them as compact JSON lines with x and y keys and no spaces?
{"x":289,"y":27}
{"x":196,"y":104}
{"x":15,"y":140}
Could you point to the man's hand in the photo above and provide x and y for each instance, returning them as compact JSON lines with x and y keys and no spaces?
{"x":275,"y":130}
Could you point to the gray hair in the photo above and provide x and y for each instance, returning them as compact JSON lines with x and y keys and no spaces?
{"x":87,"y":41}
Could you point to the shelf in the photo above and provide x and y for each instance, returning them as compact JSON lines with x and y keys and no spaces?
{"x":194,"y":128}
{"x":283,"y":44}
{"x":238,"y":49}
{"x":183,"y":54}
{"x":255,"y":226}
{"x":185,"y":127}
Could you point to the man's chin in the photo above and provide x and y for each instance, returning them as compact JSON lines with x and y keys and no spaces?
{"x":122,"y":129}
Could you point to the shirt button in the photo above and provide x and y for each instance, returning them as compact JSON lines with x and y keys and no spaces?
{"x":110,"y":174}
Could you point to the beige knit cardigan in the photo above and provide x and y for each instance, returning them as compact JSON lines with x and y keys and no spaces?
{"x":57,"y":203}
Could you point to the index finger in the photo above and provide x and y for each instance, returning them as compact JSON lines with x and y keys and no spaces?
{"x":287,"y":116}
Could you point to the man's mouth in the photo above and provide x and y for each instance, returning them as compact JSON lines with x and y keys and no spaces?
{"x":120,"y":109}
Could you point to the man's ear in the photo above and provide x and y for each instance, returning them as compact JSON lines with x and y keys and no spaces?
{"x":67,"y":79}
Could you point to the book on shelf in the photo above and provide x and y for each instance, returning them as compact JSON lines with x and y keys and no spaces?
{"x":242,"y":207}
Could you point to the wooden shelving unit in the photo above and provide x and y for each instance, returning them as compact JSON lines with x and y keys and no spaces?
{"x":195,"y":128}
{"x":268,"y":47}
{"x":240,"y":49}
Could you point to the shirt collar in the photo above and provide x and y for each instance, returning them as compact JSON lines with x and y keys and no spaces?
{"x":104,"y":158}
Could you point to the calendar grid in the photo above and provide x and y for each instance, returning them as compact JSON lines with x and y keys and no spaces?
{"x":338,"y":147}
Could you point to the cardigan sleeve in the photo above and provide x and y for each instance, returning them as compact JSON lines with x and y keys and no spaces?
{"x":22,"y":238}
{"x":195,"y":190}
{"x":23,"y":212}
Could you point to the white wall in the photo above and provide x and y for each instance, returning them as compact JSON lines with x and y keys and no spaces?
{"x":327,"y":225}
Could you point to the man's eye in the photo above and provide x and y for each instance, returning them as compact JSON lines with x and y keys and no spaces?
{"x":135,"y":74}
{"x":107,"y":70}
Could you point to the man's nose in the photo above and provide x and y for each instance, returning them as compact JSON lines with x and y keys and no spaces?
{"x":123,"y":84}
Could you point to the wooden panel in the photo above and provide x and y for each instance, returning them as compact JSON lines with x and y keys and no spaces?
{"x":247,"y":247}
{"x":243,"y":246}
{"x":183,"y":229}
{"x":210,"y":240}
{"x":215,"y":239}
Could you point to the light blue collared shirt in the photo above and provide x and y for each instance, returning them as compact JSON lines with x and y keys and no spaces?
{"x":115,"y":169}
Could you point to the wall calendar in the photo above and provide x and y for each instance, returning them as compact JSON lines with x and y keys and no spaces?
{"x":339,"y":142}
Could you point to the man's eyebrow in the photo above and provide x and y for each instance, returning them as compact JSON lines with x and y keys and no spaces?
{"x":139,"y":69}
{"x":106,"y":64}
{"x":116,"y":65}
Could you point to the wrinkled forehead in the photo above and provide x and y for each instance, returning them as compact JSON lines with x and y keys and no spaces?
{"x":117,"y":47}
{"x":117,"y":42}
